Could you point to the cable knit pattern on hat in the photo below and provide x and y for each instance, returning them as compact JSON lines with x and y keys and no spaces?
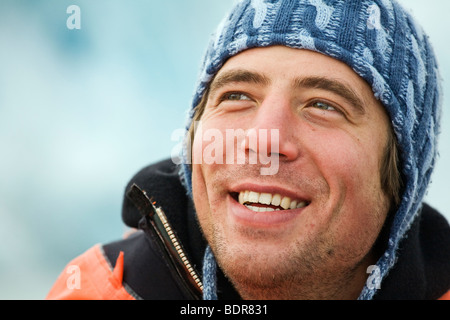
{"x":209,"y":275}
{"x":382,"y":43}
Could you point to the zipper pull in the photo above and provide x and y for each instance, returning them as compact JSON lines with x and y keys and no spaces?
{"x":168,"y":241}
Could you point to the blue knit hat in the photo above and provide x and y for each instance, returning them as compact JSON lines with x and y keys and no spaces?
{"x":381,"y":42}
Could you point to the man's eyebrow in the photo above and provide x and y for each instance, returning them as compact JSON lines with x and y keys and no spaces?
{"x":236,"y":76}
{"x":334,"y":86}
{"x":312,"y":82}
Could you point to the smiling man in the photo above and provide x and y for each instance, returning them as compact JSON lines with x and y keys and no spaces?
{"x":332,"y":137}
{"x":341,"y":100}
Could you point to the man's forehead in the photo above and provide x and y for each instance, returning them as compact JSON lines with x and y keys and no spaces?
{"x":270,"y":60}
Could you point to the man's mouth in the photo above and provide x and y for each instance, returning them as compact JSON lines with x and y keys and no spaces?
{"x":264,"y":202}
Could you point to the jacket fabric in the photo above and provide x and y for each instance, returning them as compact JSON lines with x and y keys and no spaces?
{"x":141,"y":266}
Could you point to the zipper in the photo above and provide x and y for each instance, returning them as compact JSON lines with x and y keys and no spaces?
{"x":178,"y":248}
{"x":168,"y":241}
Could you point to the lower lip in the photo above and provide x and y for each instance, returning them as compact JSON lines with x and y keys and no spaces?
{"x":272,"y":219}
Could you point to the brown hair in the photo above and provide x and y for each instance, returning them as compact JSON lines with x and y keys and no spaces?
{"x":391,"y":180}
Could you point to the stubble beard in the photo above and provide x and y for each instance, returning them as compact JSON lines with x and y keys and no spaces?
{"x":304,"y":268}
{"x":287,"y":271}
{"x":294,"y":272}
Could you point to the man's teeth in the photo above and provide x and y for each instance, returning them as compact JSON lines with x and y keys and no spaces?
{"x":248,"y":198}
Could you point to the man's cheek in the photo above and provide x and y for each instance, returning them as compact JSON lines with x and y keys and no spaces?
{"x":208,"y":146}
{"x":202,"y":201}
{"x":199,"y":191}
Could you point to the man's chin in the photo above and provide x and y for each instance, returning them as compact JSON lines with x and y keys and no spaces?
{"x":256,"y":259}
{"x":256,"y":273}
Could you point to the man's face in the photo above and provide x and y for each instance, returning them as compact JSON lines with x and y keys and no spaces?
{"x":329,"y":137}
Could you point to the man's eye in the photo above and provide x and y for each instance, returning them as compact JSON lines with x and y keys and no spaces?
{"x":235,"y":96}
{"x":323,"y":106}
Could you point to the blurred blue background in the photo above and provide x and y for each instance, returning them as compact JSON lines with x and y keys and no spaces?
{"x":82,"y":110}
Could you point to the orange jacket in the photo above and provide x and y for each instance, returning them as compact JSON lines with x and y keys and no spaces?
{"x":91,"y":277}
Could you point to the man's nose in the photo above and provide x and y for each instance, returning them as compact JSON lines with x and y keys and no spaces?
{"x":272,"y":130}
